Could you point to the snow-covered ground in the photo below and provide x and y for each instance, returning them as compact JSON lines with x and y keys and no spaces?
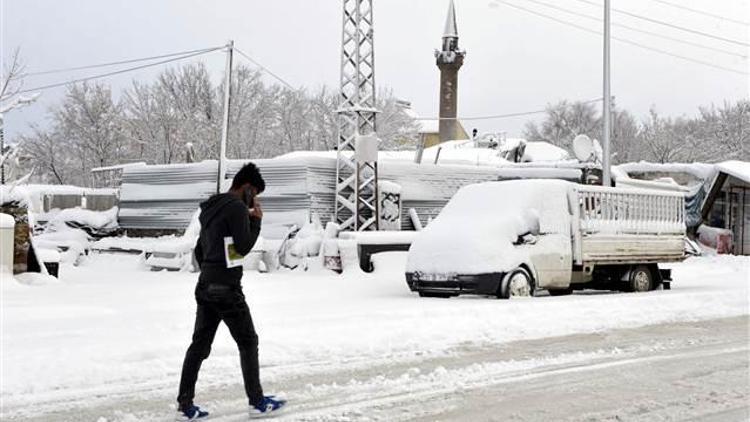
{"x":111,"y":328}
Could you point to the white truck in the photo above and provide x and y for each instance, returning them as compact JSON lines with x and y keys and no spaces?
{"x":511,"y":238}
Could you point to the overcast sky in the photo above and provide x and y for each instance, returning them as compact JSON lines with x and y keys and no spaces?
{"x":516,"y":61}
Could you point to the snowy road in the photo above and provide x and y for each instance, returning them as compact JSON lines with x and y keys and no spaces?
{"x":106,"y":344}
{"x":681,"y":371}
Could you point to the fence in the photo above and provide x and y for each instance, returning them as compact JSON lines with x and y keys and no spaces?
{"x":630,"y":211}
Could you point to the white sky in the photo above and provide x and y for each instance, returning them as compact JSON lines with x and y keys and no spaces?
{"x":515,"y":61}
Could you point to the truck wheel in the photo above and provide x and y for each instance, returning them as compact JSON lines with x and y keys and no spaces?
{"x":560,"y":292}
{"x":516,"y":284}
{"x":641,"y":279}
{"x":440,"y":295}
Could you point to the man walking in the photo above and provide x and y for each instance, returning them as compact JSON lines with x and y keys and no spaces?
{"x":230,"y":224}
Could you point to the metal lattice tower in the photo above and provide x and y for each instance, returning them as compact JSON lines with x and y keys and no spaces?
{"x":356,"y":183}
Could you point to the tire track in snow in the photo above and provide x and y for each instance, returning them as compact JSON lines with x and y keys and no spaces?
{"x":383,"y":395}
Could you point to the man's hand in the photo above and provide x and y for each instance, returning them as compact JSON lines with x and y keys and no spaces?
{"x":256,"y":211}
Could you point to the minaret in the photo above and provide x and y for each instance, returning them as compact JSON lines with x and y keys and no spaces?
{"x":449,"y":61}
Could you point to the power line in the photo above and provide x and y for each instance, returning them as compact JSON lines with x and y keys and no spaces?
{"x":670,"y":25}
{"x":701,"y":12}
{"x":622,"y":40}
{"x":263,"y":68}
{"x":501,"y":116}
{"x":631,"y":28}
{"x":117,"y":72}
{"x":144,"y":59}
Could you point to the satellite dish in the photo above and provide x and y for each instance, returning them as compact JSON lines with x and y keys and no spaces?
{"x":583,"y":147}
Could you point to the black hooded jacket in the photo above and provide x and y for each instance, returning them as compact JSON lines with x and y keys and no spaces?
{"x":224,"y":215}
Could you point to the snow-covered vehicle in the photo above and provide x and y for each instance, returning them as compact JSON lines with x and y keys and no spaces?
{"x":511,"y":238}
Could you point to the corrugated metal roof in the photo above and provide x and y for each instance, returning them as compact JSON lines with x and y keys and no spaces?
{"x":165,"y":197}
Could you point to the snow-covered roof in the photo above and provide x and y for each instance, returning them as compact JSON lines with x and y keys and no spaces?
{"x":699,"y":170}
{"x":461,"y":152}
{"x":738,"y":169}
{"x":118,"y":166}
{"x":544,"y":151}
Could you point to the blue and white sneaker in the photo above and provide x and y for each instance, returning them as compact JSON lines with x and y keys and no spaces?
{"x":192,"y":413}
{"x":270,"y":406}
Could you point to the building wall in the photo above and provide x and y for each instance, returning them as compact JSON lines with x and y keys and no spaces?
{"x":433,"y":138}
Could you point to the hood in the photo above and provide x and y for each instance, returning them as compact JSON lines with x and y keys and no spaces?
{"x":213,"y":205}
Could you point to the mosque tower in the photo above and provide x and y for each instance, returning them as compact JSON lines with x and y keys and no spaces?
{"x":449,"y":61}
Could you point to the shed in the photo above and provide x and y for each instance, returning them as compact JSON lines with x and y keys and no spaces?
{"x":727,"y":204}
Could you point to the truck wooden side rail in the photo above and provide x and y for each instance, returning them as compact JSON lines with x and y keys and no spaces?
{"x":616,"y":226}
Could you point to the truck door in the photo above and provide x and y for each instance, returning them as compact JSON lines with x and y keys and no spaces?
{"x":552,"y":254}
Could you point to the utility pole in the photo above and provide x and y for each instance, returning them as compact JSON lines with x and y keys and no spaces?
{"x":607,"y":112}
{"x":356,"y":180}
{"x":225,"y":124}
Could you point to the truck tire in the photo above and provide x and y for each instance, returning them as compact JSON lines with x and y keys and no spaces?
{"x":641,"y":279}
{"x":517,"y":283}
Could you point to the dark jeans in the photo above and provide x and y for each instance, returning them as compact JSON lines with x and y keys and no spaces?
{"x":216,"y":303}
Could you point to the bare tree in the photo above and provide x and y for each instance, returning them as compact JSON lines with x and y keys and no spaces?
{"x":11,"y":78}
{"x":661,"y":139}
{"x":626,"y":146}
{"x":92,"y":123}
{"x":251,"y":112}
{"x":182,"y":110}
{"x":727,"y":129}
{"x":186,"y":97}
{"x":565,"y":121}
{"x":396,"y":128}
{"x":48,"y":154}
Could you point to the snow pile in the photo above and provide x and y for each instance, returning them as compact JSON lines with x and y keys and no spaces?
{"x":70,"y":231}
{"x":544,"y":151}
{"x":301,"y":244}
{"x":78,"y":217}
{"x":35,"y":279}
{"x":47,"y":255}
{"x":475,"y":232}
{"x":308,"y":240}
{"x":73,"y":243}
{"x":12,"y":193}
